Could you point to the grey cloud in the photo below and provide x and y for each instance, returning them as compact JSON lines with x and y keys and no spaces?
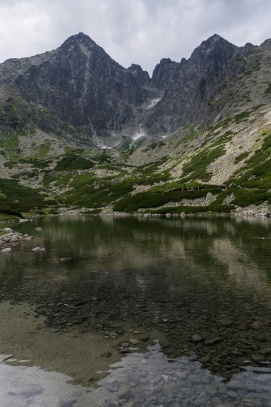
{"x":131,"y":32}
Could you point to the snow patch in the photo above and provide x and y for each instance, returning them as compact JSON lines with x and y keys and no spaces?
{"x":153,"y":102}
{"x":140,"y":133}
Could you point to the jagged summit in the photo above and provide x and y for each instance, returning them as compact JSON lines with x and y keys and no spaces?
{"x":140,"y":75}
{"x":193,"y":82}
{"x":85,"y":88}
{"x":213,"y":44}
{"x":79,"y":38}
{"x":163,"y":73}
{"x":215,"y":38}
{"x":215,"y":41}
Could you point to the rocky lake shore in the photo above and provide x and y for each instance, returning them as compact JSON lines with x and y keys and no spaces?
{"x":223,"y":329}
{"x":129,"y":321}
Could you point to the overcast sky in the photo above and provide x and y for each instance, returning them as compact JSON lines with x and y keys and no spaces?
{"x":141,"y":31}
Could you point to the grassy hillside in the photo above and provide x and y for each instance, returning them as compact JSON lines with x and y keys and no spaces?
{"x":219,"y":169}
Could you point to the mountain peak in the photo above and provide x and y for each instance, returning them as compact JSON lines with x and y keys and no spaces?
{"x":215,"y":40}
{"x":79,"y":38}
{"x":215,"y":37}
{"x":213,"y":45}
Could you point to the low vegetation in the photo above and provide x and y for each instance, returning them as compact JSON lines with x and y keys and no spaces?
{"x":15,"y":198}
{"x":42,"y":182}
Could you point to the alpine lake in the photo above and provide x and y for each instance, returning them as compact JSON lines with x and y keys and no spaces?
{"x":137,"y":312}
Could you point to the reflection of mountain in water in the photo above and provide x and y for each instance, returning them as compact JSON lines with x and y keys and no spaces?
{"x":179,"y":276}
{"x":224,"y":249}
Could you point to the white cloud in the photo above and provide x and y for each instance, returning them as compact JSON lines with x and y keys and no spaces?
{"x":130,"y":32}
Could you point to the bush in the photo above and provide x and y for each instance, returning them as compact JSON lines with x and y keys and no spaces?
{"x":154,"y":198}
{"x":196,"y":168}
{"x":245,"y":197}
{"x":18,"y":197}
{"x":241,"y":157}
{"x":73,"y":161}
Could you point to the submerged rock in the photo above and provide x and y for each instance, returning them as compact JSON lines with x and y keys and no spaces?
{"x":6,"y":250}
{"x":196,"y":338}
{"x":225,"y":322}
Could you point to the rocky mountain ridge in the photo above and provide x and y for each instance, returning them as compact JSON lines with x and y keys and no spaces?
{"x":81,"y":86}
{"x":78,"y":132}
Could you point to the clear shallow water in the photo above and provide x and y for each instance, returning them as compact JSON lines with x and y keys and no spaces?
{"x":140,"y":379}
{"x":182,"y":275}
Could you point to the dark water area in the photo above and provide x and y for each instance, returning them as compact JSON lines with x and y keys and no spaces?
{"x":204,"y":284}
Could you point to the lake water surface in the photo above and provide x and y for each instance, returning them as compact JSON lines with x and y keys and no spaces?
{"x":203,"y":284}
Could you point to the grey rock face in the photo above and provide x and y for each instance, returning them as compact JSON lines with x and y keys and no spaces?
{"x":163,"y":74}
{"x":196,"y":80}
{"x":84,"y":86}
{"x":142,"y":76}
{"x":79,"y":85}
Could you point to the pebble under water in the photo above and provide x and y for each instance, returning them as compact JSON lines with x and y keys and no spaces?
{"x":204,"y":284}
{"x":139,"y":380}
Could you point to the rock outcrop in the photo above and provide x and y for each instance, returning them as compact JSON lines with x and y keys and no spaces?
{"x":163,"y":74}
{"x":80,"y":83}
{"x":79,"y":89}
{"x":195,"y":82}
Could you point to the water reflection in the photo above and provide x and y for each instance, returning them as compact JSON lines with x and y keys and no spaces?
{"x":184,"y":277}
{"x":23,"y":386}
{"x":148,"y":380}
{"x":227,"y":246}
{"x":151,"y":380}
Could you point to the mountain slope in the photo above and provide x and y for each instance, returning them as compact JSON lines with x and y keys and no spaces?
{"x":193,"y":138}
{"x":80,"y":83}
{"x":196,"y":81}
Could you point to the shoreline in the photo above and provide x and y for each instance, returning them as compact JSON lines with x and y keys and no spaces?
{"x":252,"y":211}
{"x":83,"y":356}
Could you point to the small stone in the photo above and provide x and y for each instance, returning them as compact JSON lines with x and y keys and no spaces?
{"x":205,"y":359}
{"x":134,"y":341}
{"x":53,"y":330}
{"x":232,"y":394}
{"x":107,"y":354}
{"x":225,"y":322}
{"x":113,"y":335}
{"x":125,"y":344}
{"x":265,"y":351}
{"x":5,"y":357}
{"x":144,"y":338}
{"x":190,"y":353}
{"x":134,"y":383}
{"x":256,"y":325}
{"x":196,"y":338}
{"x":212,"y":341}
{"x":112,"y":386}
{"x":14,"y":239}
{"x":6,"y":250}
